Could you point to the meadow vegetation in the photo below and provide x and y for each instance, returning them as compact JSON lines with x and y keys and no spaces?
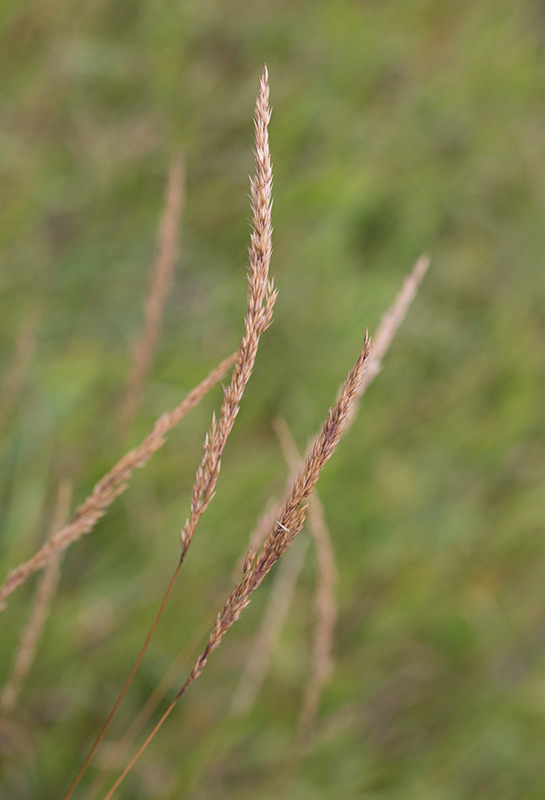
{"x":397,"y":646}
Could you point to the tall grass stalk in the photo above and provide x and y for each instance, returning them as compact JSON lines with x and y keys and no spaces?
{"x":261,"y":300}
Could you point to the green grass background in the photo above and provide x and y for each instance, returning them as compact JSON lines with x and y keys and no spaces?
{"x":397,"y":128}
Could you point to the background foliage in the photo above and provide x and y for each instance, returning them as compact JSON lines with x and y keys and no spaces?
{"x":397,"y":128}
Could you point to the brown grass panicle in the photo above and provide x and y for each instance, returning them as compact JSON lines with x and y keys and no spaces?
{"x":293,"y":512}
{"x":261,"y":300}
{"x":161,"y":281}
{"x":113,"y":484}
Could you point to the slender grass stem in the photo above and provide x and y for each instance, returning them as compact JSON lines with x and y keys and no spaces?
{"x":125,"y":688}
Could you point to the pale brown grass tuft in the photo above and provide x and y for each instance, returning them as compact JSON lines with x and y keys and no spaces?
{"x":326,"y":611}
{"x":111,"y":485}
{"x":45,"y":591}
{"x":161,"y":281}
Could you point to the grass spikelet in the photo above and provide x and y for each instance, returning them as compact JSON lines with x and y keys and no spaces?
{"x":258,"y":534}
{"x":291,"y":514}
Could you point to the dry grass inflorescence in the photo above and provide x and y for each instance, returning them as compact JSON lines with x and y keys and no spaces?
{"x":281,"y":522}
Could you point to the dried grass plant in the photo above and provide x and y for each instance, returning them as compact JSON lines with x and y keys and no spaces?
{"x":280,"y":523}
{"x":261,"y":300}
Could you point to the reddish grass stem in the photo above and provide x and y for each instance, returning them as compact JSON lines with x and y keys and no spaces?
{"x":125,"y":688}
{"x":142,"y":747}
{"x":151,"y":704}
